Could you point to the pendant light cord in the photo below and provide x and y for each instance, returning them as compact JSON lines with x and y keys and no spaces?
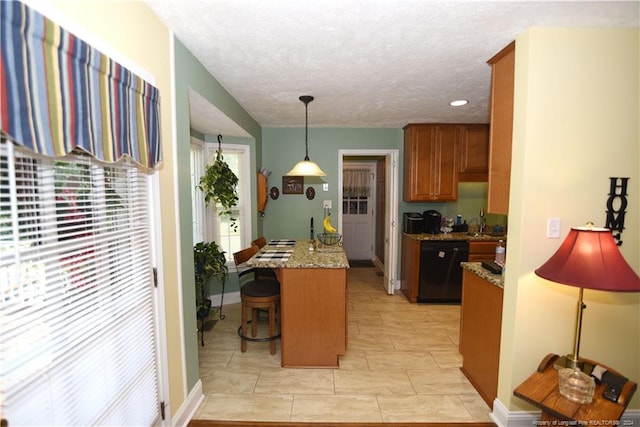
{"x":306,"y":132}
{"x":306,"y":99}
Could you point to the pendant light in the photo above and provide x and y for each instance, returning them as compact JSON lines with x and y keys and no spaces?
{"x":306,"y":167}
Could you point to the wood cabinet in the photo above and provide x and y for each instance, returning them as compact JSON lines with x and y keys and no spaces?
{"x":410,"y":268}
{"x":482,"y":251}
{"x":474,"y":153}
{"x":313,"y":316}
{"x":438,"y":156}
{"x":500,"y":136}
{"x":431,"y":158}
{"x":480,"y":328}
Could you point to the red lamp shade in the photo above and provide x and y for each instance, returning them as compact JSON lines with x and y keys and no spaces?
{"x":589,"y":258}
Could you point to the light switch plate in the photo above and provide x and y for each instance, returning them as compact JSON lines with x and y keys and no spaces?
{"x":553,"y":228}
{"x":325,"y":186}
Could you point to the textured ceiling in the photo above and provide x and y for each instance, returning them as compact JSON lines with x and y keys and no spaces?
{"x":368,"y":63}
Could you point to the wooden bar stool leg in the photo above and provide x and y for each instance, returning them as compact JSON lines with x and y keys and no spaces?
{"x":243,"y":342}
{"x":272,"y":327}
{"x":255,"y":313}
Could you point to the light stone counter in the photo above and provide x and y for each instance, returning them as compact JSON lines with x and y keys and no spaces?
{"x":458,"y":236}
{"x":476,"y":268}
{"x":323,"y":257}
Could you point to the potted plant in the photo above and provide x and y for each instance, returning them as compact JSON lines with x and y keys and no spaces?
{"x":219,"y":185}
{"x":209,"y":261}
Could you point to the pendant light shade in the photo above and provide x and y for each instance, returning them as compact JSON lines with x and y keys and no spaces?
{"x":306,"y":167}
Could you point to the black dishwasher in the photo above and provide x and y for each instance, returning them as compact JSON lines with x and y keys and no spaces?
{"x":440,"y":271}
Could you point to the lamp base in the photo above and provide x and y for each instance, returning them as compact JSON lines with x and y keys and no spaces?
{"x":567,"y":361}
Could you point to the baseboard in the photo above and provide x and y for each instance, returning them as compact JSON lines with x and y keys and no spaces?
{"x":190,"y":406}
{"x":503,"y":418}
{"x":229,"y":298}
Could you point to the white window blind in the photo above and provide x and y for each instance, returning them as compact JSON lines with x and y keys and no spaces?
{"x":77,"y":323}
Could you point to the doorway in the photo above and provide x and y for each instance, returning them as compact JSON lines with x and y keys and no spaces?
{"x":388,"y":236}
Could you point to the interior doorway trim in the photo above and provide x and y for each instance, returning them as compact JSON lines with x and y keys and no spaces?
{"x":391,"y":207}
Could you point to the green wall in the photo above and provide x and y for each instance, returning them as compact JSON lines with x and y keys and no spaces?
{"x":289,"y":215}
{"x":189,"y":72}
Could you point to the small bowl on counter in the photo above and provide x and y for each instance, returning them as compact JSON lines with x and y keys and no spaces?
{"x":329,"y":239}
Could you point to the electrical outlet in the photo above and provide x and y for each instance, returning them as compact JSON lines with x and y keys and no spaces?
{"x":325,"y":186}
{"x":326,"y":204}
{"x":553,"y":228}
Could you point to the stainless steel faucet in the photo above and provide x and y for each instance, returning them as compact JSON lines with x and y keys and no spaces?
{"x":482,"y":223}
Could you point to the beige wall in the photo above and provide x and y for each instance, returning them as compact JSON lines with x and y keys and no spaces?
{"x":576,"y":124}
{"x":130,"y":33}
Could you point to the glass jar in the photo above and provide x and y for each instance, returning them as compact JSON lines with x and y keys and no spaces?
{"x":575,"y":385}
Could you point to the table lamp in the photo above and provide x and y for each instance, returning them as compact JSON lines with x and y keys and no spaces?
{"x":588,"y":258}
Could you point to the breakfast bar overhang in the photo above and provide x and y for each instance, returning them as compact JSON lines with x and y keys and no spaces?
{"x":313,"y":301}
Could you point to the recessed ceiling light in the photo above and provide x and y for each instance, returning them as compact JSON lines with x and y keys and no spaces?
{"x":458,"y":102}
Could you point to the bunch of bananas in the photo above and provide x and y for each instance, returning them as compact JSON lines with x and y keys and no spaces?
{"x":327,"y":225}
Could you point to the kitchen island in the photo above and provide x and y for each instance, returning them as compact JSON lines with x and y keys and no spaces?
{"x":313,"y":301}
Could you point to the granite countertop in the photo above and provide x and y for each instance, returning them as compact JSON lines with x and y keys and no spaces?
{"x":458,"y":236}
{"x":476,"y":268}
{"x":302,"y":257}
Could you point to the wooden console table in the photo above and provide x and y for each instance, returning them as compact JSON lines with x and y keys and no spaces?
{"x":541,"y":390}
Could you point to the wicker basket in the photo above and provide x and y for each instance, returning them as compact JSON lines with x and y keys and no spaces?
{"x":329,"y":238}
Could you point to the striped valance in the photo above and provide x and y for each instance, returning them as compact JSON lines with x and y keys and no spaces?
{"x":58,"y":94}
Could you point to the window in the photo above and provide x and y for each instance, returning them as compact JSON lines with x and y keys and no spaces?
{"x":355,"y":205}
{"x":197,"y":198}
{"x":207,"y":225}
{"x":77,"y":321}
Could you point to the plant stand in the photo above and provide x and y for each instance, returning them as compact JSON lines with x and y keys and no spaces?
{"x":204,"y":313}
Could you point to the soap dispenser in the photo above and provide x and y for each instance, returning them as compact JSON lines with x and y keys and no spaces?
{"x":500,"y":253}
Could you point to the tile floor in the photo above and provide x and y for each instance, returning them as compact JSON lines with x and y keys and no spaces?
{"x":402,"y":365}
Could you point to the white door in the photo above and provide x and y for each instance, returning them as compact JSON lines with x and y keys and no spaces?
{"x":358,"y":216}
{"x":392,"y":233}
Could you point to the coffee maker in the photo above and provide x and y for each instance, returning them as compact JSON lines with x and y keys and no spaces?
{"x":432,"y":221}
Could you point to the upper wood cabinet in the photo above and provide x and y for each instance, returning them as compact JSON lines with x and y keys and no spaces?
{"x":474,"y":153}
{"x":431,"y":159}
{"x":437,"y":156}
{"x":502,"y":80}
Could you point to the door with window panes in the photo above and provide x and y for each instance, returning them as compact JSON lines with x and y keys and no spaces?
{"x":358,"y":215}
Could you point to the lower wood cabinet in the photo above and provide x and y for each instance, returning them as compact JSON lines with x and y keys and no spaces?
{"x":480,"y":328}
{"x":410,"y":267}
{"x":482,"y":251}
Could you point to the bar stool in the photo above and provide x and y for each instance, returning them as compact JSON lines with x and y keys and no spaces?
{"x":255,"y":295}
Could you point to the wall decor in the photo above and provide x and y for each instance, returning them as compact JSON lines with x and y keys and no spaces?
{"x":274,"y":193}
{"x":292,"y":184}
{"x":311,"y":193}
{"x":616,"y":207}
